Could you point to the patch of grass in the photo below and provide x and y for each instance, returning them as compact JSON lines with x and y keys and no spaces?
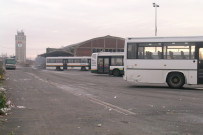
{"x":2,"y":72}
{"x":11,"y":133}
{"x":2,"y":102}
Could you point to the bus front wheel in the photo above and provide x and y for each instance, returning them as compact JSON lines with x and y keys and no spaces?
{"x":116,"y":72}
{"x":58,"y":68}
{"x":175,"y":80}
{"x":83,"y":68}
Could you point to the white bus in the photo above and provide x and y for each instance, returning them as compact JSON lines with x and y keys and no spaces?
{"x":172,"y":60}
{"x":63,"y":63}
{"x":108,"y":63}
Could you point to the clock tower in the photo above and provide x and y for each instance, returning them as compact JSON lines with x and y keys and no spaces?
{"x":20,"y":47}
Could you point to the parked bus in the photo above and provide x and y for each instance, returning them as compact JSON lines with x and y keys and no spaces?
{"x":107,"y":63}
{"x":172,"y":60}
{"x":61,"y":63}
{"x":10,"y":63}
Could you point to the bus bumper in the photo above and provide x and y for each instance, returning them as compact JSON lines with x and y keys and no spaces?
{"x":93,"y":71}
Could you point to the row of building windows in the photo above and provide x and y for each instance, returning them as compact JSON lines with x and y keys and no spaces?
{"x":20,"y":38}
{"x":107,"y":50}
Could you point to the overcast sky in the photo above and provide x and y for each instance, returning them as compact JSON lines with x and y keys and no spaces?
{"x":56,"y":23}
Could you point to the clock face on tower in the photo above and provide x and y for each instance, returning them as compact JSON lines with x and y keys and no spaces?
{"x":20,"y":45}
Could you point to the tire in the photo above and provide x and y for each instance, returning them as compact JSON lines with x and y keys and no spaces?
{"x":176,"y":80}
{"x":116,"y":72}
{"x":83,"y":68}
{"x":58,"y":68}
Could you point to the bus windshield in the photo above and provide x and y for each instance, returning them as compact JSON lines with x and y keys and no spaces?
{"x":10,"y":61}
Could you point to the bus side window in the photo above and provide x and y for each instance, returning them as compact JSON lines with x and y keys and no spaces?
{"x":182,"y":55}
{"x":160,"y":55}
{"x":148,"y":55}
{"x":113,"y":61}
{"x":140,"y":52}
{"x":131,"y":54}
{"x":171,"y":55}
{"x":83,"y":60}
{"x":119,"y":61}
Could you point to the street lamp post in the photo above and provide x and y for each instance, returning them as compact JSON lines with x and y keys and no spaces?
{"x":155,"y":5}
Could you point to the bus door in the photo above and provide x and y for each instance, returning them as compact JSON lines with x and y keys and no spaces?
{"x":64,"y":64}
{"x":89,"y":63}
{"x":106,"y":65}
{"x":103,"y":65}
{"x":200,"y":66}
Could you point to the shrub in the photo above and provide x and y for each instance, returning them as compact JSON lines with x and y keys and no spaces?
{"x":1,"y":72}
{"x":2,"y":102}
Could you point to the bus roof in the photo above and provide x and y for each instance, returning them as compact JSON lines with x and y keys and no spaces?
{"x":165,"y":39}
{"x":76,"y":57}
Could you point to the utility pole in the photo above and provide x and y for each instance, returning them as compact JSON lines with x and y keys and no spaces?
{"x":155,"y":5}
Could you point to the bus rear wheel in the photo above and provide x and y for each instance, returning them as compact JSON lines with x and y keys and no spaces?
{"x":58,"y":68}
{"x":175,"y":80}
{"x":116,"y":72}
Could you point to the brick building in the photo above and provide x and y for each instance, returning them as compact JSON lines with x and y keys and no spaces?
{"x":105,"y":44}
{"x":86,"y":48}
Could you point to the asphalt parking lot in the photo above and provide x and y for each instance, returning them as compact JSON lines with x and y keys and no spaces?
{"x":81,"y":103}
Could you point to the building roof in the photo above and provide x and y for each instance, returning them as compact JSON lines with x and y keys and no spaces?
{"x":81,"y":43}
{"x":69,"y":49}
{"x":56,"y":53}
